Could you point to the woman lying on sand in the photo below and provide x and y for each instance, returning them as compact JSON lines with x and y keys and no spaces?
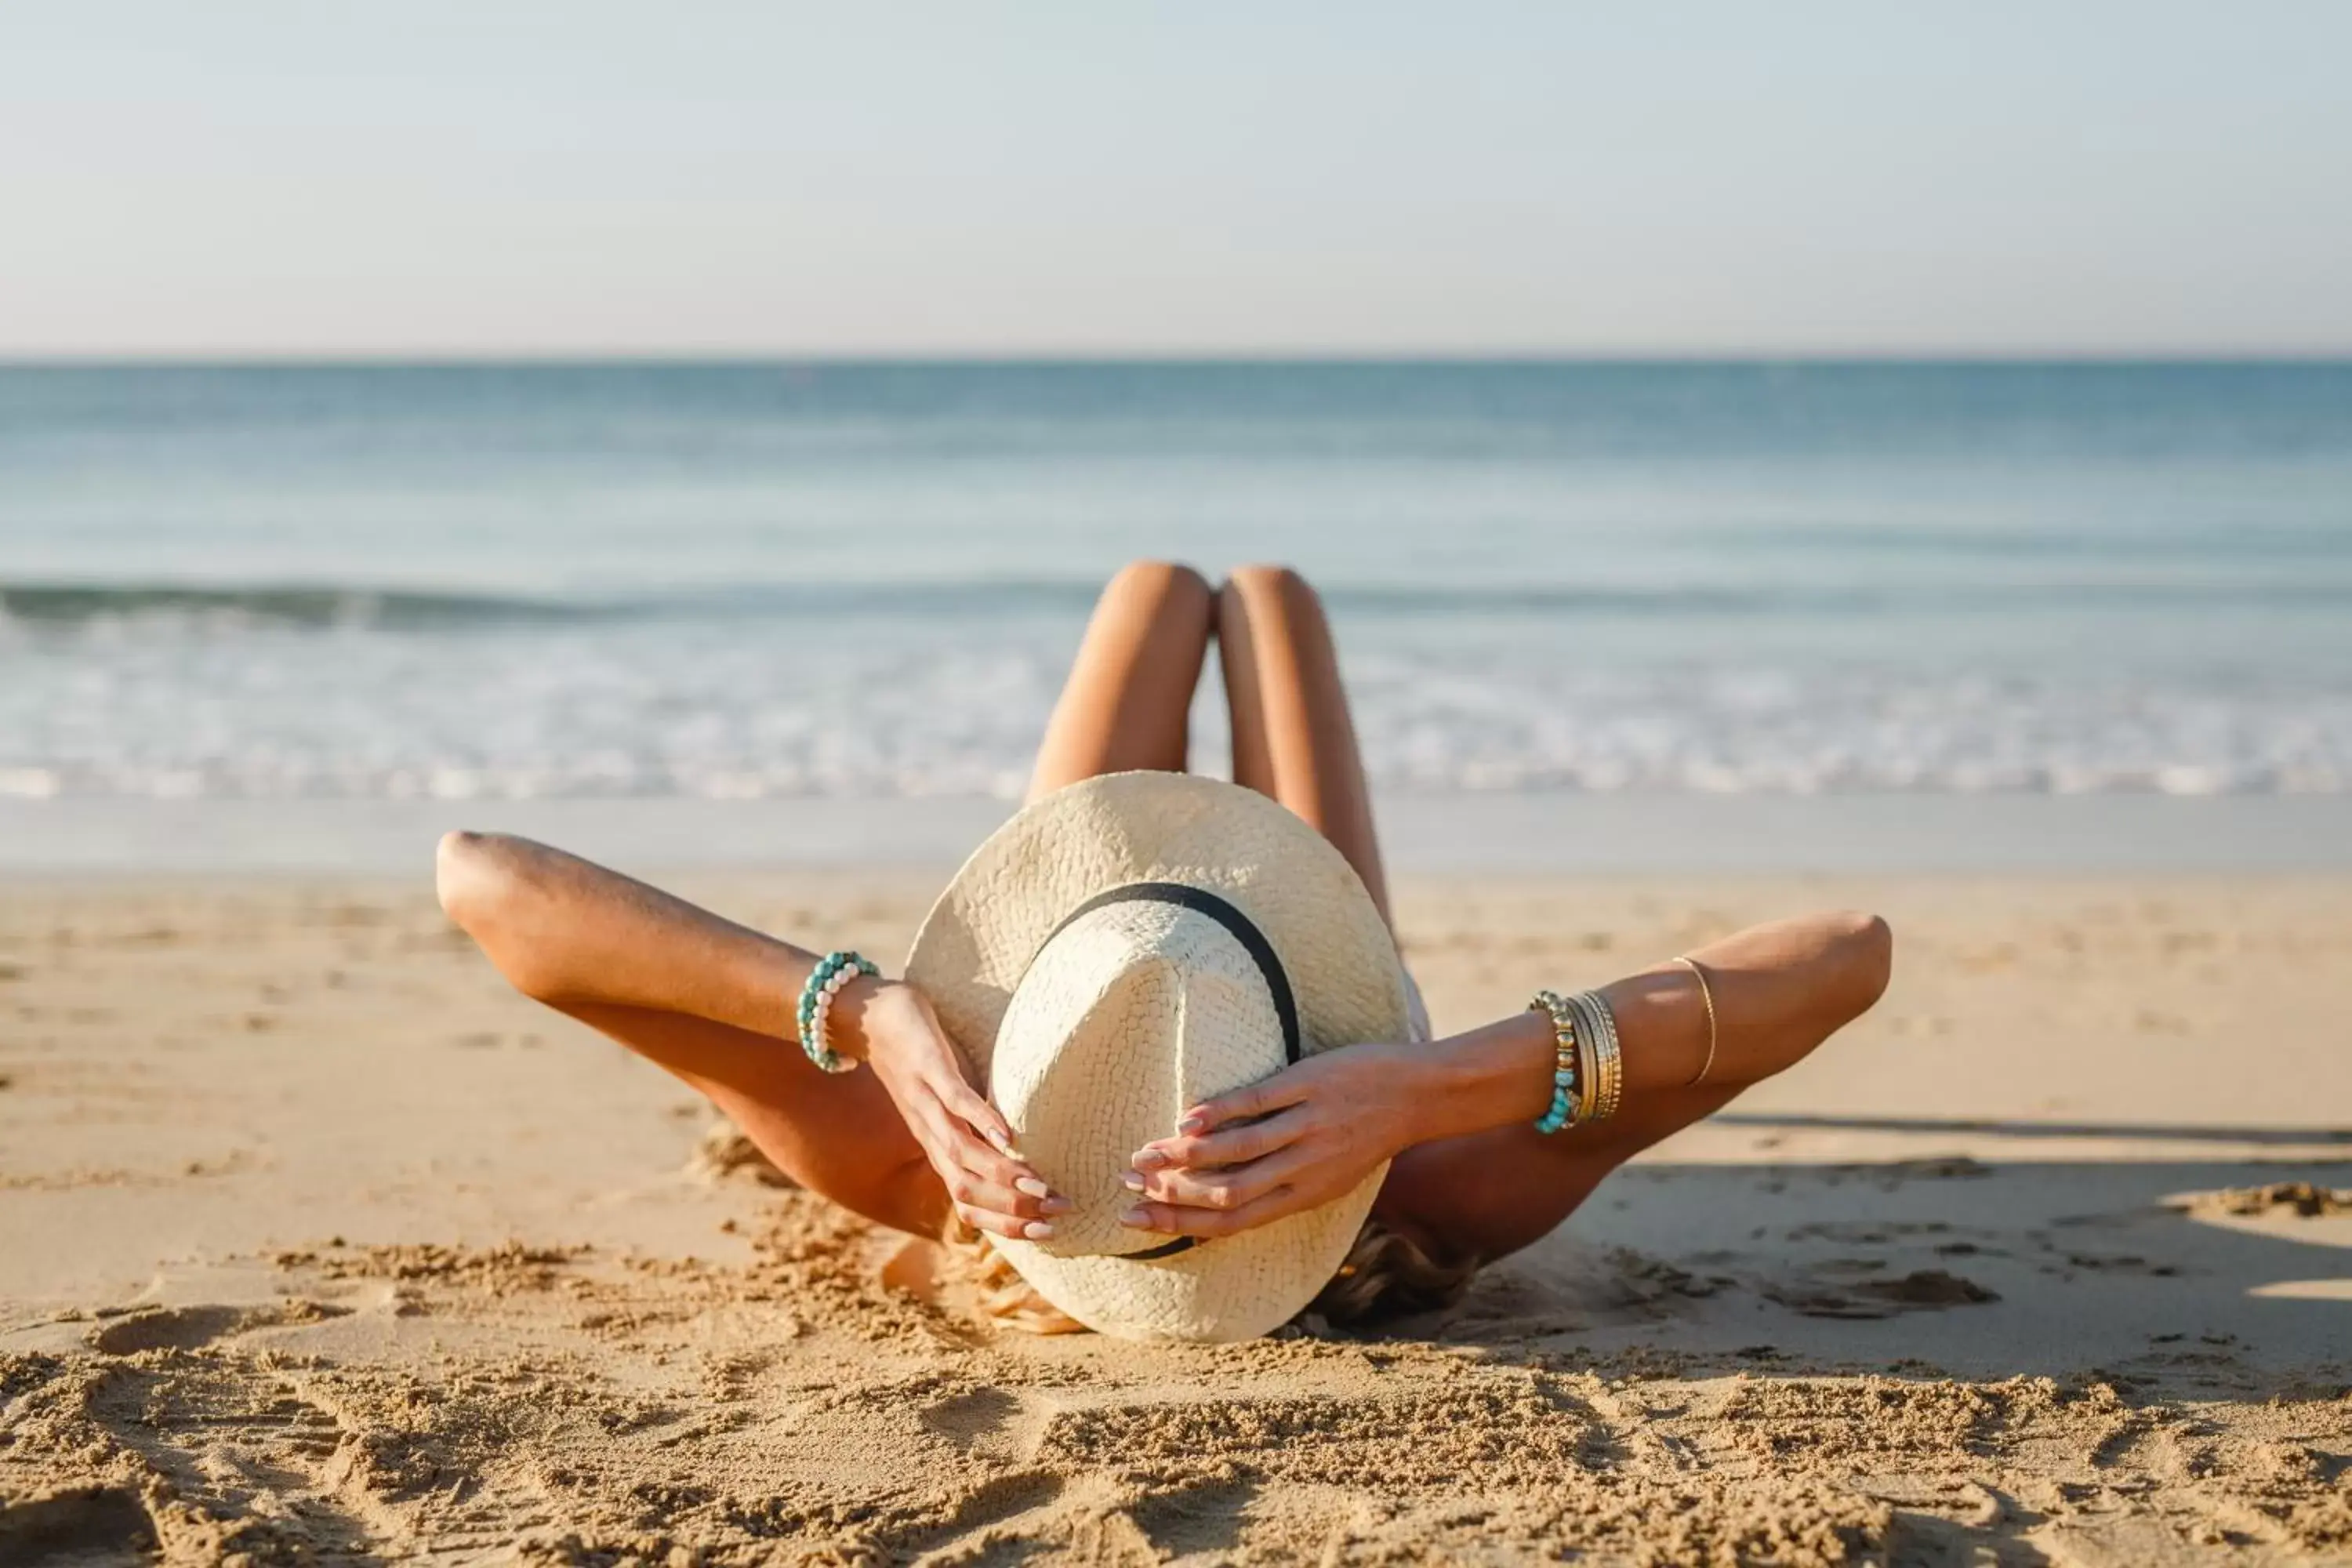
{"x":1140,"y":957}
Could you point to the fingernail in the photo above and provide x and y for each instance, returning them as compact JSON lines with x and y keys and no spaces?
{"x":1149,"y":1160}
{"x":1137,"y":1217}
{"x":1192,"y":1124}
{"x":1037,"y":1230}
{"x":1004,"y":1144}
{"x":1056,"y":1203}
{"x":1032,"y":1187}
{"x":1132,"y":1180}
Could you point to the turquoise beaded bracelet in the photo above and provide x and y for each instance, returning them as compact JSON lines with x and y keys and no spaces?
{"x":1565,"y":1067}
{"x":832,"y":971}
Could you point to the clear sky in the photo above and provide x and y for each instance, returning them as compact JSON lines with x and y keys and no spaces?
{"x":491,"y":176}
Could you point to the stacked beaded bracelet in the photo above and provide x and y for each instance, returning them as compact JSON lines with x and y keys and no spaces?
{"x":824,"y":983}
{"x":1566,"y":1066}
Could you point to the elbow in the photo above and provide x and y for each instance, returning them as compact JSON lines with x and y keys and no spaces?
{"x":483,"y":891}
{"x":466,"y":879}
{"x":1869,"y":944}
{"x":485,"y":888}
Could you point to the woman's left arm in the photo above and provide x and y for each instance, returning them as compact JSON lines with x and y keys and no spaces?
{"x":1312,"y":1131}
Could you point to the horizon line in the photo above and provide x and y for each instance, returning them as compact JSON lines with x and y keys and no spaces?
{"x":555,"y":358}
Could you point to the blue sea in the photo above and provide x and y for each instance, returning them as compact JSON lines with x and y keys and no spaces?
{"x":740,"y":581}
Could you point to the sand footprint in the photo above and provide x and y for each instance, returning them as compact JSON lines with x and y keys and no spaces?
{"x":90,"y":1524}
{"x":1016,"y":1506}
{"x":1208,"y":1518}
{"x":989,"y":1422}
{"x":193,"y":1326}
{"x":190,"y":1445}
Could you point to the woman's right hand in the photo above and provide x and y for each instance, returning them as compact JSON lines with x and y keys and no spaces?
{"x":969,"y":1143}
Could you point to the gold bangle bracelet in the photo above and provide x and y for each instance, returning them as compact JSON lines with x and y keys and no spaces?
{"x":1588,"y":1062}
{"x":1604,"y":1086}
{"x":1706,"y":995}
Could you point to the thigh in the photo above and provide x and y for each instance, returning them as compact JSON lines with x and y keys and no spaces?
{"x":838,"y":1135}
{"x":1293,"y":736}
{"x":1129,"y":692}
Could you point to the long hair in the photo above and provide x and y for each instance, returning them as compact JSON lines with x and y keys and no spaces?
{"x":1384,"y":1275}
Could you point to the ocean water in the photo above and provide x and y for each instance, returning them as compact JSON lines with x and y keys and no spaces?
{"x":746,"y":582}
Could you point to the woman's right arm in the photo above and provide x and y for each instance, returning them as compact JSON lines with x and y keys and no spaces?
{"x":566,"y":931}
{"x":572,"y":934}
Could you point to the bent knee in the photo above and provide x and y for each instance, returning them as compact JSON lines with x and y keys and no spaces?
{"x":1262,"y":581}
{"x":1163,"y":582}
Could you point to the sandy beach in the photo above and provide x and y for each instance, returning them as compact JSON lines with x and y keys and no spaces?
{"x":1670,"y":471}
{"x":317,"y":1245}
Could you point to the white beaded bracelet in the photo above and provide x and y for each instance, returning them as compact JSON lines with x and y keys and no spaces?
{"x":832,"y":973}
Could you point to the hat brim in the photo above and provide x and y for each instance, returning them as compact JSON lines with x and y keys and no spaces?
{"x":1295,"y":886}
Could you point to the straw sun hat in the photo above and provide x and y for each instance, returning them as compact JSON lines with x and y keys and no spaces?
{"x":1120,"y":951}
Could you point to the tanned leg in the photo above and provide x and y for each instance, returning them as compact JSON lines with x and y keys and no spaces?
{"x":1293,"y":737}
{"x":1129,"y":694}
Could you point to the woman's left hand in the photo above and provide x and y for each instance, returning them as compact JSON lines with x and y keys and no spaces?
{"x":1303,"y":1137}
